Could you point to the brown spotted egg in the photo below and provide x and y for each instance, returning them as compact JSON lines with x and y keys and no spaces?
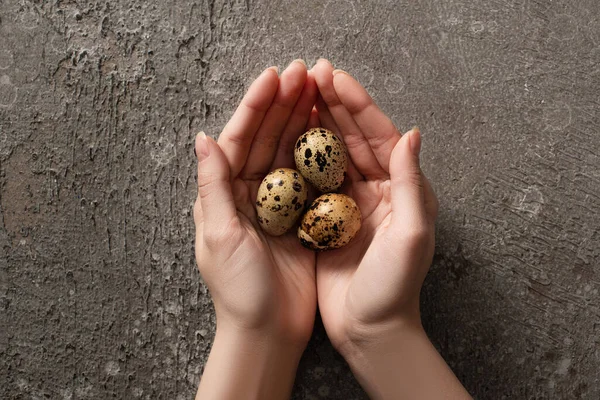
{"x":281,"y":199}
{"x":331,"y":222}
{"x":321,"y":158}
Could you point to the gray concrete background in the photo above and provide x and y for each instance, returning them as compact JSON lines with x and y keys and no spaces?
{"x":99,"y":105}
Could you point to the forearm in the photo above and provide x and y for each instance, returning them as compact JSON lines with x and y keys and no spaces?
{"x":404,"y":365}
{"x":248,"y":366}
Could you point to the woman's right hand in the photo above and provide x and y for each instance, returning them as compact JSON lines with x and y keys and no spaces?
{"x":368,"y":291}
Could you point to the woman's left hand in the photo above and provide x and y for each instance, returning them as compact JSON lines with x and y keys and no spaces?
{"x":263,"y":287}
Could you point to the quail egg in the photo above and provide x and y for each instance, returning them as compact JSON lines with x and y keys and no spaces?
{"x":331,"y":222}
{"x":281,"y":199}
{"x":321,"y":158}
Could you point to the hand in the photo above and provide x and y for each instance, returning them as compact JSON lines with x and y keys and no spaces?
{"x":263,"y":287}
{"x":375,"y":281}
{"x":368,"y":292}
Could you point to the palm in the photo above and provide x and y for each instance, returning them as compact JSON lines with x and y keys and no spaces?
{"x":377,"y":273}
{"x":257,"y":279}
{"x":337,"y":269}
{"x":286,"y":267}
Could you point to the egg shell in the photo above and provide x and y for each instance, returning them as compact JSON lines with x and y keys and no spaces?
{"x":322,"y":159}
{"x":331,"y":222}
{"x":280,"y":201}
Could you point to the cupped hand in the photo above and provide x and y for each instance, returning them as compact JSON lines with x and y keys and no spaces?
{"x":371,"y":286}
{"x":258,"y":283}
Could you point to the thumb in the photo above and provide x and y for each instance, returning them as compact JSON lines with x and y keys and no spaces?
{"x":214,"y":187}
{"x":407,"y":186}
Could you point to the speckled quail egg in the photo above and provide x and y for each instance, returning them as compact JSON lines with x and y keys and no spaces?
{"x":280,"y":200}
{"x":321,"y":158}
{"x":331,"y":222}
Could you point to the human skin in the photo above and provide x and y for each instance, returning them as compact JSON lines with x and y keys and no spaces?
{"x":265,"y":288}
{"x":368,"y":291}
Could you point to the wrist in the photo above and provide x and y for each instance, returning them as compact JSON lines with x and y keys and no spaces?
{"x":260,"y":345}
{"x":365,"y":342}
{"x":402,"y":363}
{"x":247,"y":364}
{"x":267,"y":334}
{"x":361,"y":334}
{"x":377,"y":362}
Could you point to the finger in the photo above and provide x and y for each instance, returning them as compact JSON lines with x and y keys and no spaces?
{"x":214,"y":187}
{"x":296,"y":124}
{"x":313,"y":120}
{"x":237,"y":136}
{"x":328,"y":122}
{"x":198,"y":220}
{"x":407,"y":188}
{"x":358,"y":147}
{"x":266,"y":140}
{"x":378,"y":129}
{"x":431,"y":201}
{"x":325,"y":116}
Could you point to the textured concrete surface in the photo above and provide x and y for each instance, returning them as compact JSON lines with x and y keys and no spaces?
{"x":99,"y":104}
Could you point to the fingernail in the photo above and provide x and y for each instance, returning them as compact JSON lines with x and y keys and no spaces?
{"x":415,"y":140}
{"x":202,"y":145}
{"x":339,"y":71}
{"x":301,"y":61}
{"x":274,"y":68}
